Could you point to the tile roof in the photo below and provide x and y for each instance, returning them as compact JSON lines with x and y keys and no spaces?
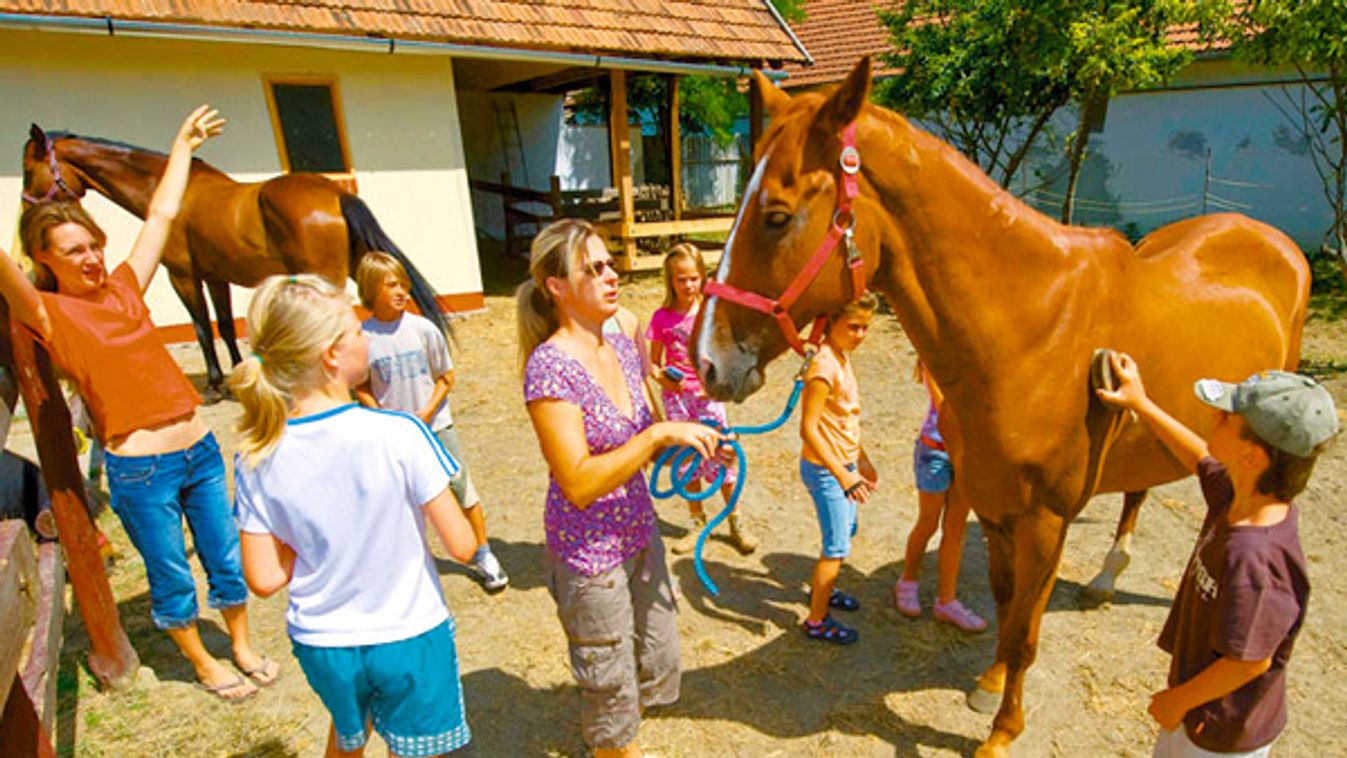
{"x":691,"y":30}
{"x":838,"y":32}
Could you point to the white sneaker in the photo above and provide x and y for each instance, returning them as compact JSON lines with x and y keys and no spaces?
{"x":489,"y":572}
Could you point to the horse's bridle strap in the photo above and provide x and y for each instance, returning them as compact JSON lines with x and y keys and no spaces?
{"x":848,"y":187}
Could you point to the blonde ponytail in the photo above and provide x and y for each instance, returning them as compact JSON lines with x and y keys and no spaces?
{"x":556,"y":252}
{"x":291,"y":321}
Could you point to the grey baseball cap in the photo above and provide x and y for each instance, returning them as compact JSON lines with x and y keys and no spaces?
{"x":1290,"y":412}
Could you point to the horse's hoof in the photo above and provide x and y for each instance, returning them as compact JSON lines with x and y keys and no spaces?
{"x":211,"y":396}
{"x":984,"y":701}
{"x":1096,"y":594}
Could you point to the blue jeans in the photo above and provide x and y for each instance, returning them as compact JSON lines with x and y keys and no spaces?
{"x":151,"y":494}
{"x":836,"y":513}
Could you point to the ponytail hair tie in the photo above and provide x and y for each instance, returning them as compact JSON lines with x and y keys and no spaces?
{"x":258,"y":356}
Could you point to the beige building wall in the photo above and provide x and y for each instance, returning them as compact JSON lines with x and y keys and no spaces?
{"x":401,"y":121}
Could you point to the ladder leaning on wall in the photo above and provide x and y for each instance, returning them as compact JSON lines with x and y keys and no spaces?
{"x":511,"y":143}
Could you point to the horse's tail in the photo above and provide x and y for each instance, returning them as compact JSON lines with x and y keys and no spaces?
{"x":366,"y":235}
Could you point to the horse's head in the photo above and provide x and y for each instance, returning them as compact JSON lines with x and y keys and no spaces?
{"x":788,"y":215}
{"x":45,"y":176}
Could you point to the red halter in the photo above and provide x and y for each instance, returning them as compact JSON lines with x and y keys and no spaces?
{"x":843,"y":224}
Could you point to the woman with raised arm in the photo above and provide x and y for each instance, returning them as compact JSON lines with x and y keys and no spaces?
{"x":163,"y":463}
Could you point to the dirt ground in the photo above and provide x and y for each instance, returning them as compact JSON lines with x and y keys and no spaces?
{"x":752,"y":684}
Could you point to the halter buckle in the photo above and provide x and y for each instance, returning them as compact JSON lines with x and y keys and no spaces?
{"x":850,"y":159}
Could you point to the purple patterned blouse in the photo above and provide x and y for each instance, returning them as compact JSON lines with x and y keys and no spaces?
{"x":616,"y":526}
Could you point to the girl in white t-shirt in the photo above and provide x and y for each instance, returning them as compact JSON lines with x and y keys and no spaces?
{"x":331,"y":499}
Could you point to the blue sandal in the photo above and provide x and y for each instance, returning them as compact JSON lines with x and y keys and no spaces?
{"x":829,"y":630}
{"x":843,"y":602}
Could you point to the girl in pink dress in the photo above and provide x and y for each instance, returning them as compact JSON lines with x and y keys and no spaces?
{"x":669,"y":333}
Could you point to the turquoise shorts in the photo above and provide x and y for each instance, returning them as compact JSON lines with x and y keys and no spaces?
{"x":409,"y":689}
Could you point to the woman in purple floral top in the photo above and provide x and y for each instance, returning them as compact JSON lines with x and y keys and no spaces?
{"x":605,"y":561}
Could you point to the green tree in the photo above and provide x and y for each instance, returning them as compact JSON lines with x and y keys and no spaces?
{"x":1309,"y":36}
{"x":991,"y":73}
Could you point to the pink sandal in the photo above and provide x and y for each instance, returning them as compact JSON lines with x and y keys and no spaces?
{"x":956,"y":614}
{"x":906,"y":598}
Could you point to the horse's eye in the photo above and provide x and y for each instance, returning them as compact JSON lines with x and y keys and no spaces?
{"x":777,"y":220}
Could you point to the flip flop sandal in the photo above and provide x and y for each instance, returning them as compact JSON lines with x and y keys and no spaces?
{"x":259,"y":674}
{"x":218,"y":690}
{"x":843,"y":602}
{"x":828,"y":630}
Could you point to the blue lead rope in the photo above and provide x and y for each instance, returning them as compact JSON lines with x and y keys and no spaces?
{"x":685,"y":462}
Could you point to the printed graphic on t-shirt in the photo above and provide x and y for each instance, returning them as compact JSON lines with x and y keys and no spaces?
{"x":1208,"y":589}
{"x":408,"y":365}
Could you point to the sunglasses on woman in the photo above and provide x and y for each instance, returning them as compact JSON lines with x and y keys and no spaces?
{"x":600,"y":267}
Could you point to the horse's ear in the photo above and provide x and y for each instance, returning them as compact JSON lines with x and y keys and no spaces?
{"x":39,"y":140}
{"x":845,"y":103}
{"x":774,"y":100}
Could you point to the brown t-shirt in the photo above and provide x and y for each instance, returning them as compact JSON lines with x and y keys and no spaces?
{"x":1243,"y":596}
{"x":840,"y":422}
{"x":108,"y":347}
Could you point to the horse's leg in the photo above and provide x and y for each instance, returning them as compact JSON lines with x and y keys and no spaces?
{"x":224,"y":317}
{"x":1037,"y":542}
{"x":194,"y":300}
{"x":986,"y":696}
{"x":1100,"y":589}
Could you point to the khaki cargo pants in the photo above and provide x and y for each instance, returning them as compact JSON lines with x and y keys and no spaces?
{"x":622,"y":627}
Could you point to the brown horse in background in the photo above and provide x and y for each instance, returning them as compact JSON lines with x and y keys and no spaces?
{"x":1005,"y":307}
{"x":227,"y":232}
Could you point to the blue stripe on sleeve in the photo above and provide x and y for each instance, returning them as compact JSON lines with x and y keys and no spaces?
{"x":446,"y":460}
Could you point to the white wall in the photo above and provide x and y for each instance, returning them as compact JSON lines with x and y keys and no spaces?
{"x":401,"y":115}
{"x":1148,"y":166}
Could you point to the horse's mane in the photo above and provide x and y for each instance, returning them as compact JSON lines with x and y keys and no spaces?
{"x":127,"y":147}
{"x":116,"y":144}
{"x":1007,"y":203}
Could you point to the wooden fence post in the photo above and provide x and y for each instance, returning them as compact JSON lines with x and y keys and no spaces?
{"x":111,"y":658}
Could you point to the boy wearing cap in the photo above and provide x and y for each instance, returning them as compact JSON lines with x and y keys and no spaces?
{"x":1242,"y":599}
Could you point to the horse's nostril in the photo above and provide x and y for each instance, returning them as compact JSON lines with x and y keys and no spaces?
{"x":708,"y":372}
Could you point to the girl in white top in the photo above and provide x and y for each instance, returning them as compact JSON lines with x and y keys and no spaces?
{"x":331,"y":499}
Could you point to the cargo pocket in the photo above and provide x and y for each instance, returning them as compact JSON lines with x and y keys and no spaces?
{"x":599,"y":665}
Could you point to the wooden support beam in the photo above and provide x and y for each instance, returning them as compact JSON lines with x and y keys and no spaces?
{"x":111,"y":659}
{"x":675,"y":150}
{"x":20,"y":731}
{"x":755,"y":116}
{"x":619,"y":143}
{"x":18,"y":601}
{"x":616,"y":230}
{"x":44,"y":657}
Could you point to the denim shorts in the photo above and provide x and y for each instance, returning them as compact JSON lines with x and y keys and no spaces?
{"x":152,"y":494}
{"x":409,"y":689}
{"x":836,"y":513}
{"x":461,"y":484}
{"x":931,"y":468}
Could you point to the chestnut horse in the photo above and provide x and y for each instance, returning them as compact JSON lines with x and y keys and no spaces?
{"x":1005,"y":308}
{"x":227,"y":232}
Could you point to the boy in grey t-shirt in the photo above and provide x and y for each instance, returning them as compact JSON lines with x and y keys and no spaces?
{"x":411,"y":371}
{"x":1243,"y":596}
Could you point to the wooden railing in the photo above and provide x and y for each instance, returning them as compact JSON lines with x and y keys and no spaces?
{"x":527,"y":210}
{"x":32,"y":592}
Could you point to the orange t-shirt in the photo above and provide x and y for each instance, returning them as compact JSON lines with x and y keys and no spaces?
{"x":840,"y":422}
{"x":108,"y":347}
